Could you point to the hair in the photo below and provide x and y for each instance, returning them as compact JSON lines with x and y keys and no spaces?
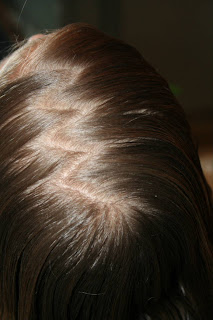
{"x":105,"y":212}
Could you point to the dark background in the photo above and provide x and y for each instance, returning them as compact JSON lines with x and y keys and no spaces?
{"x":175,"y":36}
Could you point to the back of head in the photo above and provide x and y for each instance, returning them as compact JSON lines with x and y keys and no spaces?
{"x":105,"y":212}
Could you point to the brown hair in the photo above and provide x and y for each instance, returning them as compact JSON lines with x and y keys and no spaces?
{"x":105,"y":212}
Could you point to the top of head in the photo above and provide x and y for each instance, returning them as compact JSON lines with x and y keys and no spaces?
{"x":100,"y":174}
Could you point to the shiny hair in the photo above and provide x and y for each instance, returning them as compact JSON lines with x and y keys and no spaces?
{"x":105,"y":212}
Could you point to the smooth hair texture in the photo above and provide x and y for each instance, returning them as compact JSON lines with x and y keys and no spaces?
{"x":105,"y":213}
